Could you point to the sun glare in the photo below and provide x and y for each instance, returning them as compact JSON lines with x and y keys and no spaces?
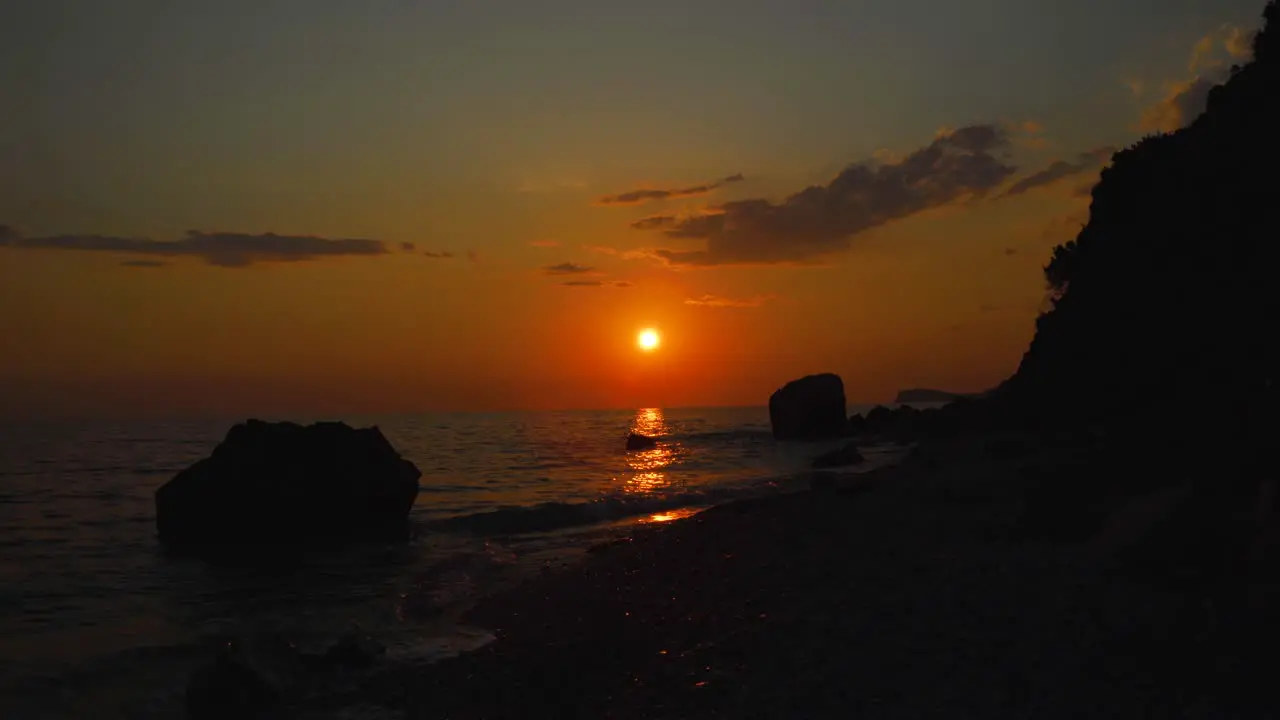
{"x":648,"y":339}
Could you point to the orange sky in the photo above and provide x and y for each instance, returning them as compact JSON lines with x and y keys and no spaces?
{"x":940,"y":293}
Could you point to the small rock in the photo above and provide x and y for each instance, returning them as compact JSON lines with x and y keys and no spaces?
{"x":847,"y":455}
{"x":355,"y":649}
{"x":636,"y":441}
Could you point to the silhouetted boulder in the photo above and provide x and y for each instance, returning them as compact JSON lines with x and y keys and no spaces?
{"x":847,"y":455}
{"x":857,"y":424}
{"x":810,"y":408}
{"x":879,"y":420}
{"x":354,"y":650}
{"x":286,"y":483}
{"x":248,"y":678}
{"x":636,"y":441}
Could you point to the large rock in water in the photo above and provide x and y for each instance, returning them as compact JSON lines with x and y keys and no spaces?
{"x":810,"y":408}
{"x":285,"y":483}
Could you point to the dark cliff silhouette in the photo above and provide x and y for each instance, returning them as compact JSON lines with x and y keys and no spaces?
{"x":1162,"y":307}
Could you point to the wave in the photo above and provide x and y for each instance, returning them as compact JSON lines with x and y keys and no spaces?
{"x":551,"y":516}
{"x":727,"y":435}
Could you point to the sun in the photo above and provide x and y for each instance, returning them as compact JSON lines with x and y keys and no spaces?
{"x":648,"y":340}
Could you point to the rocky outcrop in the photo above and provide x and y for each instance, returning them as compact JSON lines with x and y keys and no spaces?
{"x":811,"y":408}
{"x":636,"y":441}
{"x":286,"y":483}
{"x":247,"y":677}
{"x":925,"y":395}
{"x":1164,"y":304}
{"x":847,"y":455}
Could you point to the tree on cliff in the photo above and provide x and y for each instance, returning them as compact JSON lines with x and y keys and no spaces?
{"x":1165,"y":297}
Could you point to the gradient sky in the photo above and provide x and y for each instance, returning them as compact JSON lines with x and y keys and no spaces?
{"x":434,"y":173}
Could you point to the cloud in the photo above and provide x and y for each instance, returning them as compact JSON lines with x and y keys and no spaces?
{"x":1228,"y":42}
{"x":545,"y":243}
{"x":727,"y":302}
{"x":473,"y":256}
{"x":1061,"y":169}
{"x":1239,"y":43}
{"x":144,"y":264}
{"x":1183,"y":103}
{"x":1010,"y":252}
{"x":644,"y":195}
{"x":820,"y":220}
{"x":1184,"y":100}
{"x":597,"y":283}
{"x":407,"y":246}
{"x":221,"y":249}
{"x":438,"y":255}
{"x":654,"y":222}
{"x":568,"y":268}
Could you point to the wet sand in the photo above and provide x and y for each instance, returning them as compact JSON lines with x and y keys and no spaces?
{"x":943,"y":587}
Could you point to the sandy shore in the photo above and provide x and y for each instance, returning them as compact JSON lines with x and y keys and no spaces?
{"x":959,"y":584}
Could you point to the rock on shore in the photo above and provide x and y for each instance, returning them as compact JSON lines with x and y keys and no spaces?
{"x":284,"y":482}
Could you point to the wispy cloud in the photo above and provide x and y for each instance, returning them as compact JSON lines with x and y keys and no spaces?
{"x":821,"y":220}
{"x":597,"y":283}
{"x":644,"y":195}
{"x":718,"y":301}
{"x":1084,"y":162}
{"x":568,"y":268}
{"x":221,"y":249}
{"x":408,"y":246}
{"x":438,"y":255}
{"x":144,"y":264}
{"x":654,"y":222}
{"x":1185,"y":100}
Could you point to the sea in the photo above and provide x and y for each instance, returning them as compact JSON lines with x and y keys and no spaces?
{"x":97,"y":619}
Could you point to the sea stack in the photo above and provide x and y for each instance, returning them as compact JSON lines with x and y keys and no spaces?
{"x":286,"y":483}
{"x":811,"y":408}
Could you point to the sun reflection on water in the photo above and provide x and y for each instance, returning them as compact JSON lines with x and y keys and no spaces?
{"x":670,"y":515}
{"x":647,"y":476}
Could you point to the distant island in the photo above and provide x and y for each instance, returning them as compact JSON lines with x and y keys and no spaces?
{"x":919,"y":395}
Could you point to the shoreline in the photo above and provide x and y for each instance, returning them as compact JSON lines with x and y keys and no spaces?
{"x":929,"y":588}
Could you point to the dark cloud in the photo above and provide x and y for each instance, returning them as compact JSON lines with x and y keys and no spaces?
{"x":473,"y":256}
{"x":654,"y":222}
{"x":820,"y":220}
{"x":228,"y":250}
{"x":728,"y":302}
{"x":1010,"y":252}
{"x":1061,"y":169}
{"x":644,"y":195}
{"x":568,"y":268}
{"x":144,"y":264}
{"x":407,"y":246}
{"x":438,"y":255}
